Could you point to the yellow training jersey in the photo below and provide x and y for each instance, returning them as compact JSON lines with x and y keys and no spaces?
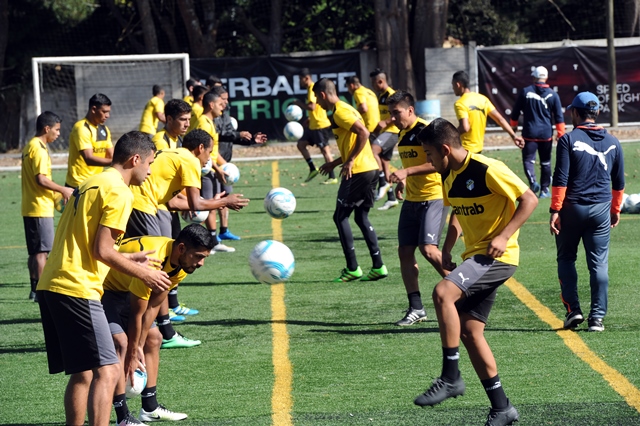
{"x":163,"y":140}
{"x":171,"y":172}
{"x":37,"y":201}
{"x":421,"y":187}
{"x":85,"y":135}
{"x":318,"y":117}
{"x":209,"y":126}
{"x":188,"y":99}
{"x":103,"y":199}
{"x":343,"y":117}
{"x":163,"y":246}
{"x":149,"y":120}
{"x":482,"y":195}
{"x":384,"y":110}
{"x":364,"y":95}
{"x":196,"y":112}
{"x":475,"y":107}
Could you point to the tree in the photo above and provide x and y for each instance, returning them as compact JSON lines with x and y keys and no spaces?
{"x":148,"y":26}
{"x":631,"y":18}
{"x":429,"y":30}
{"x":4,"y":34}
{"x":271,"y":41}
{"x":392,"y":38}
{"x":202,"y":35}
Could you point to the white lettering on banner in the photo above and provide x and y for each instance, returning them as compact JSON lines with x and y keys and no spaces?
{"x":281,"y":85}
{"x":260,"y":86}
{"x":239,"y":85}
{"x":621,"y":88}
{"x":625,"y":96}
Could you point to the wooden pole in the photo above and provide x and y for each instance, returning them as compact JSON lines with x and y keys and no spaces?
{"x":611,"y":52}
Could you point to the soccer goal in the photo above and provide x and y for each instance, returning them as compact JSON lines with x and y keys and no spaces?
{"x":64,"y":85}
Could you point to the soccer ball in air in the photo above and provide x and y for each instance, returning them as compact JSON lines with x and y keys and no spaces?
{"x":632,"y":203}
{"x":234,"y":123}
{"x":271,"y":262}
{"x":206,"y":169}
{"x":139,"y":383}
{"x":293,"y":113}
{"x":293,"y":131}
{"x":233,"y":174}
{"x":194,"y":217}
{"x":280,"y":203}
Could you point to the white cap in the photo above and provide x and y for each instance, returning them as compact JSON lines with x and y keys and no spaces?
{"x":540,"y":72}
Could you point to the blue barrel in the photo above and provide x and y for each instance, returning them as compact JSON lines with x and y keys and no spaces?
{"x":428,"y":110}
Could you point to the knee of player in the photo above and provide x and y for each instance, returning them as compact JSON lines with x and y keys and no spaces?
{"x":443,"y":293}
{"x":120,"y":342}
{"x":154,"y":340}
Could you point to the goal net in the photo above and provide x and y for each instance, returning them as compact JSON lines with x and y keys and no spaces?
{"x":64,"y":85}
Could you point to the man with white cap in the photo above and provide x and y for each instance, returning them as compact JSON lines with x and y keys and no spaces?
{"x":588,"y":184}
{"x":541,"y":108}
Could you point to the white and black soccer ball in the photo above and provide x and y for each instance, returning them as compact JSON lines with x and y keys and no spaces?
{"x":293,"y":131}
{"x":632,"y":203}
{"x":271,"y":262}
{"x":206,"y":169}
{"x":280,"y":203}
{"x":139,"y":383}
{"x":234,"y":123}
{"x":293,"y":113}
{"x":623,"y":206}
{"x":233,"y":173}
{"x":194,"y":217}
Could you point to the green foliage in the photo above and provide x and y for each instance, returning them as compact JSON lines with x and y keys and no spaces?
{"x":478,"y":20}
{"x":71,"y":12}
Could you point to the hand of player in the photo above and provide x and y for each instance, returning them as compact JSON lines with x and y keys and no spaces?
{"x":222,"y":176}
{"x":326,"y":168}
{"x":615,"y":219}
{"x":399,"y":190}
{"x":156,"y":280}
{"x":346,"y":169}
{"x":398,"y":175}
{"x":236,"y":202}
{"x":260,"y":138}
{"x":66,"y":193}
{"x":554,"y":223}
{"x":519,"y":141}
{"x":143,"y":258}
{"x":246,"y":135}
{"x":497,"y":247}
{"x":447,"y":263}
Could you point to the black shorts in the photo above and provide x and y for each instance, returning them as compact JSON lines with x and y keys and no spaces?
{"x":76,"y":333}
{"x":387,"y":141}
{"x":141,"y":224}
{"x":317,"y":137}
{"x":168,"y":221}
{"x":359,"y":190}
{"x":421,"y":223}
{"x":479,"y":278}
{"x":38,"y":232}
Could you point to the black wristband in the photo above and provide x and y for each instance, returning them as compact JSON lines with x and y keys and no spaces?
{"x":553,"y":211}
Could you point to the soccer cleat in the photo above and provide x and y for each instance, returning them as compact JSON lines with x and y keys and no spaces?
{"x":544,"y":194}
{"x":221,"y":248}
{"x":313,"y":173}
{"x":535,"y":187}
{"x":413,"y":316}
{"x":178,"y":341}
{"x":388,"y":205}
{"x":595,"y":324}
{"x":183,"y":310}
{"x":376,"y":274}
{"x":129,"y":420}
{"x":227,"y":235}
{"x":502,"y":417}
{"x":382,"y":191}
{"x":573,"y":319}
{"x":175,"y":317}
{"x":160,"y":414}
{"x":330,"y":181}
{"x":439,"y":391}
{"x":32,"y":295}
{"x":347,"y":275}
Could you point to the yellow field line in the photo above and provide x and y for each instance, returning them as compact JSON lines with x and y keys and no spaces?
{"x":617,"y":381}
{"x":281,"y":400}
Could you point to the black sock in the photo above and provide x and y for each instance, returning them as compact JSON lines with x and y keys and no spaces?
{"x":34,"y":284}
{"x":223,"y":229}
{"x":173,"y":298}
{"x":332,"y":174}
{"x":495,"y":392}
{"x":391,"y":194}
{"x":120,"y":405}
{"x":382,"y":181}
{"x":450,"y":358}
{"x":312,"y":166}
{"x":149,"y":399}
{"x":165,"y":327}
{"x":415,"y":301}
{"x":214,"y":236}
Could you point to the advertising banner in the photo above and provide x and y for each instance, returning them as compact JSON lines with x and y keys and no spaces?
{"x":502,"y":73}
{"x":261,"y":88}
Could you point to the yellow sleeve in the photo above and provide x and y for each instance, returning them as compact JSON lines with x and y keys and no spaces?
{"x":190,"y":170}
{"x":461,"y":110}
{"x":41,"y":162}
{"x":345,"y":117}
{"x":159,"y":142}
{"x":311,"y":97}
{"x":503,"y":181}
{"x":158,"y":105}
{"x":488,"y":107}
{"x":85,"y":139}
{"x":116,"y":209}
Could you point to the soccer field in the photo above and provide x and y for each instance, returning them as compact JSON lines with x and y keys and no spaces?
{"x":312,"y":352}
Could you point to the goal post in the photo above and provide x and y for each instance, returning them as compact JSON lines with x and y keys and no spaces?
{"x":64,"y":85}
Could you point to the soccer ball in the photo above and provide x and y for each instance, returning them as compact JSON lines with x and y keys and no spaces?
{"x":234,"y":123}
{"x":233,"y":173}
{"x":271,"y":262}
{"x":632,"y":203}
{"x":623,"y":207}
{"x":293,"y":113}
{"x":280,"y":203}
{"x":206,"y":169}
{"x":194,"y":217}
{"x":139,"y":383}
{"x":293,"y":131}
{"x":58,"y":202}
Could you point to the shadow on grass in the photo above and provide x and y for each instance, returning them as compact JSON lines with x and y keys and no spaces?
{"x":21,"y":350}
{"x":239,"y":322}
{"x":20,"y":321}
{"x":201,"y":284}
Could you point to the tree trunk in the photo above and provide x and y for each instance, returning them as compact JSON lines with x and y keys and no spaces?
{"x":429,"y":30}
{"x":148,"y":26}
{"x":124,"y":25}
{"x":4,"y":34}
{"x":194,"y":32}
{"x":167,"y":27}
{"x":392,"y":38}
{"x":631,"y":18}
{"x":271,"y":42}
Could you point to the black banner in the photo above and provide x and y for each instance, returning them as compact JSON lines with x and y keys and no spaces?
{"x":503,"y":72}
{"x":261,"y":88}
